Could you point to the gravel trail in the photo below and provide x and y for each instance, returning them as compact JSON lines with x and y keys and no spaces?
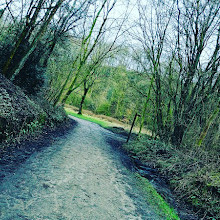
{"x":77,"y":177}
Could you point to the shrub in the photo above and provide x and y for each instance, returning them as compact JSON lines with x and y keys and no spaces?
{"x":103,"y":109}
{"x":194,"y":174}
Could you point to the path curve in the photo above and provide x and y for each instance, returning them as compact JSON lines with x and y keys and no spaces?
{"x":77,"y":177}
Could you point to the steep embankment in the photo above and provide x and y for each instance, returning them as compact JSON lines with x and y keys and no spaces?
{"x":22,"y":117}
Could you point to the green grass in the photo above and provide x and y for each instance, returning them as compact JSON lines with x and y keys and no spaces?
{"x":154,"y":198}
{"x":88,"y":118}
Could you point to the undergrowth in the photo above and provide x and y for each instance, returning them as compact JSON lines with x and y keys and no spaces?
{"x":22,"y":116}
{"x":194,"y":174}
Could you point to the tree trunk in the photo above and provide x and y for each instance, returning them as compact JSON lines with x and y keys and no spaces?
{"x":83,"y":100}
{"x":51,"y":48}
{"x":159,"y":113}
{"x":132,"y":125}
{"x":65,"y":83}
{"x":36,"y":39}
{"x":145,"y":108}
{"x":177,"y":135}
{"x":143,"y":118}
{"x":66,"y":96}
{"x":25,"y":35}
{"x":2,"y":12}
{"x":206,"y":128}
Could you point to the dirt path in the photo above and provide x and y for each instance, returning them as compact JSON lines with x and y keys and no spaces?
{"x":77,"y":177}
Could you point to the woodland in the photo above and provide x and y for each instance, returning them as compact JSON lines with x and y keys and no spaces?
{"x":160,"y":59}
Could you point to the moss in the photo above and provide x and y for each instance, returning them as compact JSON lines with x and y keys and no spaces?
{"x":42,"y":118}
{"x":155,"y":199}
{"x":214,"y":180}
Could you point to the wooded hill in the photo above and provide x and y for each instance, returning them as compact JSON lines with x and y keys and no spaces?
{"x":157,"y":58}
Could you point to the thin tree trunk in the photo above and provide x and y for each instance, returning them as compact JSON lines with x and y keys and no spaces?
{"x":2,"y":12}
{"x":83,"y":100}
{"x":36,"y":39}
{"x":132,"y":125}
{"x":178,"y":133}
{"x":49,"y":54}
{"x":159,"y":113}
{"x":206,"y":128}
{"x":65,"y":83}
{"x":143,"y":117}
{"x":70,"y":89}
{"x":145,"y":108}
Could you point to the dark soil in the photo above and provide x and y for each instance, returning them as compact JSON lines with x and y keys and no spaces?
{"x":12,"y":156}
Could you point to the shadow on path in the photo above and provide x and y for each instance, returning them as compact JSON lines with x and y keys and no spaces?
{"x":12,"y":157}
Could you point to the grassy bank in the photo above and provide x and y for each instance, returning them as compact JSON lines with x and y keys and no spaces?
{"x":111,"y":123}
{"x":193,"y":174}
{"x":114,"y":127}
{"x":104,"y":124}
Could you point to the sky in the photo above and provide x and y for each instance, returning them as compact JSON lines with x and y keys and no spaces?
{"x":129,"y":9}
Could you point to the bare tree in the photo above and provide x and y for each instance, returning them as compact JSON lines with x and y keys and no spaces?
{"x":38,"y":16}
{"x":88,"y":43}
{"x":197,"y":32}
{"x":67,"y":19}
{"x":152,"y":35}
{"x":100,"y":55}
{"x":180,"y":44}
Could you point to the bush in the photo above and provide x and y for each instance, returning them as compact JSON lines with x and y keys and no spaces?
{"x":103,"y":109}
{"x":21,"y":115}
{"x":194,"y":174}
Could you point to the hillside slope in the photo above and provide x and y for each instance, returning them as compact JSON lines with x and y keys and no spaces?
{"x":21,"y":116}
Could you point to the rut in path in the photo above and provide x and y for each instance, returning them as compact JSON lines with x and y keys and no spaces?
{"x":79,"y":176}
